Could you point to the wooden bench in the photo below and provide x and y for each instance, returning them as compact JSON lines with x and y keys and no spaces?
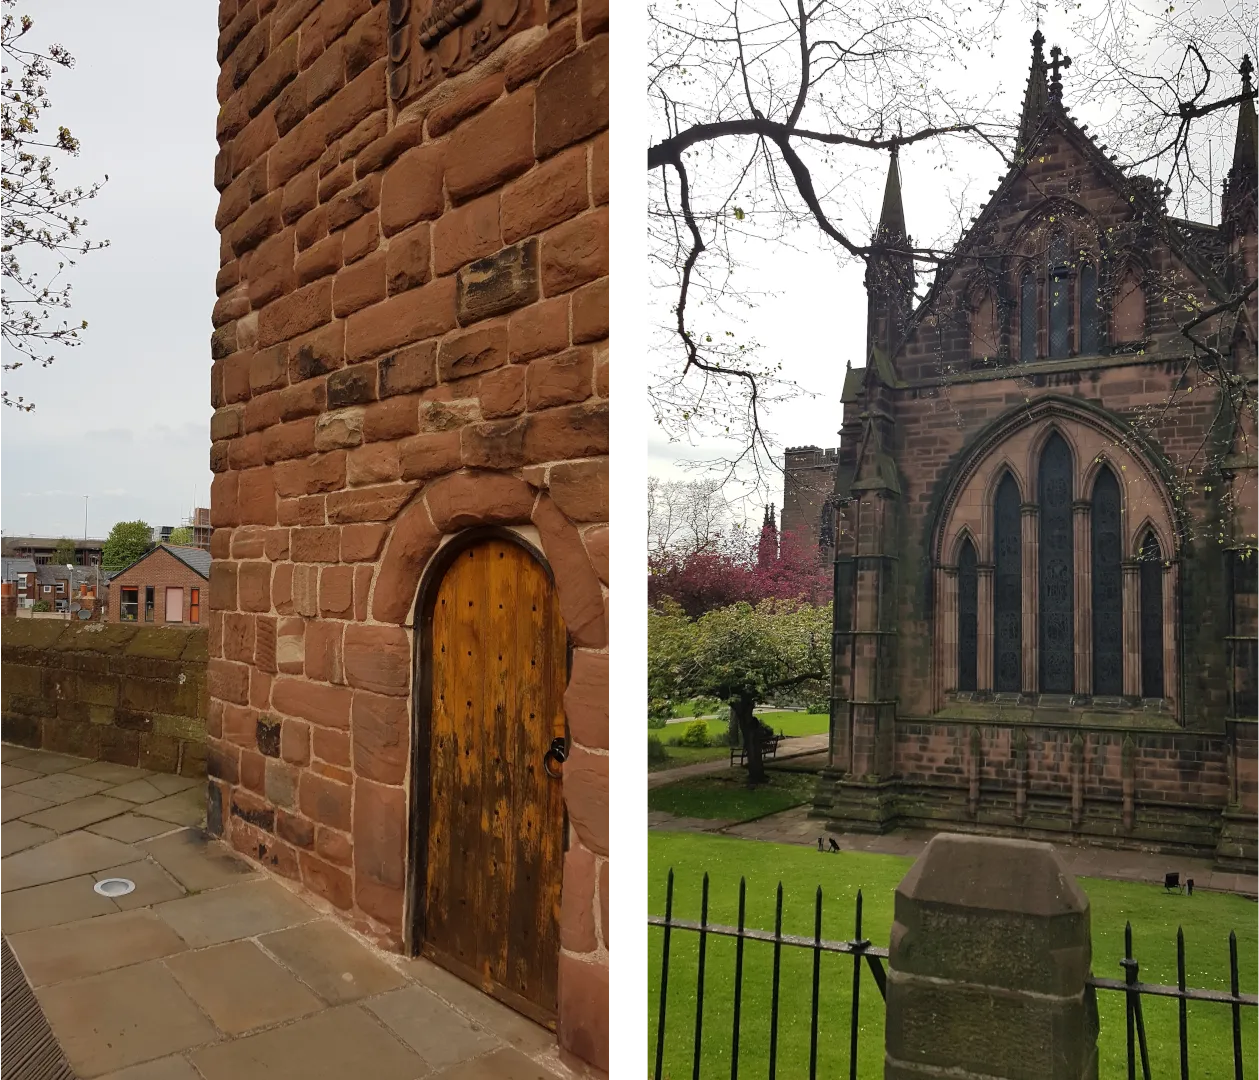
{"x":769,"y":749}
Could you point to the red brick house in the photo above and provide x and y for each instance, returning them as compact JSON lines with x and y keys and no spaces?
{"x":23,"y":575}
{"x":1045,"y":616}
{"x":169,"y":584}
{"x":409,"y":442}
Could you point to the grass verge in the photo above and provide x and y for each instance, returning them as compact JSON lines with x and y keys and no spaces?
{"x":1207,"y":919}
{"x":727,"y":796}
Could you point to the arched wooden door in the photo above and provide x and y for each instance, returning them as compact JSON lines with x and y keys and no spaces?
{"x":490,"y":894}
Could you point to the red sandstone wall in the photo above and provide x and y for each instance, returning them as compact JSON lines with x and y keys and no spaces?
{"x":1186,"y":769}
{"x":410,"y":339}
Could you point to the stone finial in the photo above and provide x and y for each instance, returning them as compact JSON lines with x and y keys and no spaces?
{"x":1245,"y":71}
{"x":989,"y":955}
{"x":1058,"y":63}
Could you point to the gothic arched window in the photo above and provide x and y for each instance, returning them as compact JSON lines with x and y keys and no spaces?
{"x":1057,"y":571}
{"x":1027,"y":316}
{"x":1107,"y":586}
{"x":1151,"y":617}
{"x":1059,"y":298}
{"x":967,"y":618}
{"x":1008,"y":588}
{"x":1088,"y":310}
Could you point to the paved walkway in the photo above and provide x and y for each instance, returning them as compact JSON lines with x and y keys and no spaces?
{"x":800,"y":746}
{"x":212,"y":969}
{"x":796,"y":827}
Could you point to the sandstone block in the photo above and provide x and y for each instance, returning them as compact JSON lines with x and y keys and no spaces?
{"x":466,"y":233}
{"x":572,"y":100}
{"x":499,"y":283}
{"x":506,"y":125}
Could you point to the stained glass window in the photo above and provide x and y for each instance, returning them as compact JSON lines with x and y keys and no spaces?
{"x":1008,"y":588}
{"x":1027,"y":317}
{"x":1057,"y":572}
{"x":1151,"y":618}
{"x":1107,"y":586}
{"x":1088,"y":310}
{"x":967,"y":618}
{"x":1058,"y":284}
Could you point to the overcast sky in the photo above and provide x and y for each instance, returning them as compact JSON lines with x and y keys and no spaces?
{"x":814,"y":320}
{"x":124,"y":418}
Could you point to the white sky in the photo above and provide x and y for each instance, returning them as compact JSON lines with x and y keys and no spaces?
{"x":124,"y":418}
{"x":815,"y":320}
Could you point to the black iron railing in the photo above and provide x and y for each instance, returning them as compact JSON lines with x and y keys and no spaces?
{"x":859,"y":947}
{"x":1131,"y":986}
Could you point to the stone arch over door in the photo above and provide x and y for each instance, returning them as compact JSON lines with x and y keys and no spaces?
{"x":434,"y":518}
{"x":487,"y":815}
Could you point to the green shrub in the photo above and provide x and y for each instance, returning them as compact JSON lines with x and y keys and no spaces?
{"x":816,"y":706}
{"x":656,"y":753}
{"x":41,"y":605}
{"x":696,"y":734}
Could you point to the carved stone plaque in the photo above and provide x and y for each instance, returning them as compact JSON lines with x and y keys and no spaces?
{"x":430,"y":40}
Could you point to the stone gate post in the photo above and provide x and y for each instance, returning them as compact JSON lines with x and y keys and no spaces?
{"x":989,"y":954}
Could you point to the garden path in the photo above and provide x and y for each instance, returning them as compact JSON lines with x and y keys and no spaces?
{"x":787,"y":749}
{"x":794,"y":826}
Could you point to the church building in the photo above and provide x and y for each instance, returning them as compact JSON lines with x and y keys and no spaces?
{"x":1042,"y":512}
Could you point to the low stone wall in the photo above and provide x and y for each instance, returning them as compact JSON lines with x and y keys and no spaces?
{"x":135,"y":695}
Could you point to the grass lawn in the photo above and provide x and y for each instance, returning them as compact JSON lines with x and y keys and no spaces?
{"x":789,"y":723}
{"x":728,"y":796}
{"x":1207,"y":919}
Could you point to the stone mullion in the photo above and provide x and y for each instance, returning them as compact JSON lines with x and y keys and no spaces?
{"x":983,"y":672}
{"x":1082,"y":521}
{"x":1031,"y":597}
{"x":946,"y":579}
{"x":1169,"y":632}
{"x":1131,"y":628}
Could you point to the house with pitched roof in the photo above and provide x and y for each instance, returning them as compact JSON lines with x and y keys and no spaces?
{"x":167,"y":584}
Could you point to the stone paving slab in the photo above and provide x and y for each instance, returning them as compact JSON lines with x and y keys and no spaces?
{"x":241,"y":988}
{"x":14,"y":774}
{"x":167,"y":1068}
{"x":58,"y":787}
{"x":8,"y":752}
{"x":236,"y":911}
{"x":131,"y":827}
{"x":333,"y":1045}
{"x":197,"y":862}
{"x":120,"y":1018}
{"x":145,"y":986}
{"x":68,"y":856}
{"x":110,"y":773}
{"x":78,"y":813}
{"x":138,"y":791}
{"x":184,"y":808}
{"x":331,"y":962}
{"x":425,"y":1023}
{"x":17,"y":836}
{"x":45,"y":761}
{"x":153,"y":885}
{"x":70,"y":900}
{"x":14,"y":805}
{"x":75,"y":950}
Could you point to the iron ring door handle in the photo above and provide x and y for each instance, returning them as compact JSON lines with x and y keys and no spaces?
{"x":558,"y":751}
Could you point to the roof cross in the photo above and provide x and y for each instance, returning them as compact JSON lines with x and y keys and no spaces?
{"x":1055,"y":80}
